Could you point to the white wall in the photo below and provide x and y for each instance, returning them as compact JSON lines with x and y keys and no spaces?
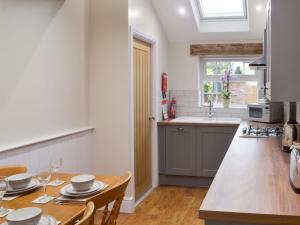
{"x":74,"y":150}
{"x":43,"y":81}
{"x":109,"y":86}
{"x":184,"y":68}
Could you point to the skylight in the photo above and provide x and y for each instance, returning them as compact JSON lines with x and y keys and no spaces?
{"x":223,"y":9}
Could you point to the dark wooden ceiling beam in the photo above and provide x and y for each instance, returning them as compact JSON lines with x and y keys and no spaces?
{"x":234,"y":49}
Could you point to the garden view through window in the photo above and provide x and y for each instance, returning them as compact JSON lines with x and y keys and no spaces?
{"x":243,"y":82}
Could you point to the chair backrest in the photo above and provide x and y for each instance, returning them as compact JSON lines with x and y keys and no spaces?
{"x":12,"y":170}
{"x":88,"y":216}
{"x":116,"y":195}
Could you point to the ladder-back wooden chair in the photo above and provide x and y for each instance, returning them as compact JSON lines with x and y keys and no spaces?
{"x":88,"y":216}
{"x":114,"y":195}
{"x":12,"y":170}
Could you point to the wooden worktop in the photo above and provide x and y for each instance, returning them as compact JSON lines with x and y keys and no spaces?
{"x":194,"y":121}
{"x":252,"y":185}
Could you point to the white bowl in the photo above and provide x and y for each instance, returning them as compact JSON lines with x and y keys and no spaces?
{"x":19,"y":181}
{"x":24,"y":216}
{"x":82,"y":182}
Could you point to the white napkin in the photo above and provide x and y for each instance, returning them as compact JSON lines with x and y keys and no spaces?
{"x":6,"y":212}
{"x":55,"y":183}
{"x":43,"y":199}
{"x":10,"y":198}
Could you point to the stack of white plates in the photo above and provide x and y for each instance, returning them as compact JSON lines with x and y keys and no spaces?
{"x":69,"y":191}
{"x":34,"y":184}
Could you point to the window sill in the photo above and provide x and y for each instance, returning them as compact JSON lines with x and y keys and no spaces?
{"x":221,"y":107}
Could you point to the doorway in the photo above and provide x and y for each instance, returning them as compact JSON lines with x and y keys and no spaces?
{"x":142,"y":117}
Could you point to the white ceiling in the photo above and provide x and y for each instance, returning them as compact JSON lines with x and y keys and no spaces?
{"x":183,"y":28}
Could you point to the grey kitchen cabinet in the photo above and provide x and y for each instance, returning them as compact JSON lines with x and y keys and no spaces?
{"x":212,"y":145}
{"x":180,"y":156}
{"x":283,"y":50}
{"x":194,"y":151}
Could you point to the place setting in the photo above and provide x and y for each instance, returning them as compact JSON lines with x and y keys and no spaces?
{"x":29,"y":216}
{"x":80,"y":187}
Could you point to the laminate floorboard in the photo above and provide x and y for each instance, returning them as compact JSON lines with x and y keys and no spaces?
{"x":167,"y":206}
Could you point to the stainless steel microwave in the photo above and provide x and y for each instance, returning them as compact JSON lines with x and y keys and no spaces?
{"x":271,"y":112}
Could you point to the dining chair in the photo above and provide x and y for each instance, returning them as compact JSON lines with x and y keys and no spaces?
{"x":114,"y":195}
{"x":12,"y":170}
{"x":88,"y":216}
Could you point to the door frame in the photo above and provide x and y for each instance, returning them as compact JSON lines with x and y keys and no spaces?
{"x":135,"y":33}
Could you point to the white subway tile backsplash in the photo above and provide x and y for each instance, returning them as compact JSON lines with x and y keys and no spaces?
{"x":188,"y":104}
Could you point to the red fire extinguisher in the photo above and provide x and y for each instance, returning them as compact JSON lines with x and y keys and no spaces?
{"x":173,"y":108}
{"x":164,"y":84}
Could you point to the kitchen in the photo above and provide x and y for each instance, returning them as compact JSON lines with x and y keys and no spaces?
{"x":198,"y":99}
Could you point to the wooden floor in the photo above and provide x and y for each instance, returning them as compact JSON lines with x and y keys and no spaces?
{"x":167,"y":206}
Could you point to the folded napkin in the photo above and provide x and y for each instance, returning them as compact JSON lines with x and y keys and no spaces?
{"x":4,"y":213}
{"x":43,"y":199}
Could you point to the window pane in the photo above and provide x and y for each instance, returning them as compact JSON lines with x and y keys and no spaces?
{"x":236,"y":67}
{"x":217,"y":67}
{"x":222,"y":8}
{"x":243,"y":93}
{"x":212,"y":90}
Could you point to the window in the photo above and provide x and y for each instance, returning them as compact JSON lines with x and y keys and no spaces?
{"x":244,"y":83}
{"x":222,"y":9}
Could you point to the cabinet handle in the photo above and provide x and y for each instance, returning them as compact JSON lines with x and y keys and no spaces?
{"x":180,"y":129}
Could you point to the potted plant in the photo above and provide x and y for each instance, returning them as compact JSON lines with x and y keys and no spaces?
{"x":226,"y":94}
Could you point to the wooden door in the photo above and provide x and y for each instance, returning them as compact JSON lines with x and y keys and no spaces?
{"x":143,"y":122}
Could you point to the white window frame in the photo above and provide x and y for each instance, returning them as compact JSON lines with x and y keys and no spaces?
{"x":202,"y":17}
{"x":235,"y":78}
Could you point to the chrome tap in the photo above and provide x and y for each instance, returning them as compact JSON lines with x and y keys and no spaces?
{"x":210,"y":107}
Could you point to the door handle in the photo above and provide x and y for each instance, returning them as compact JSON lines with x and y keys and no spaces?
{"x":181,"y":129}
{"x":151,"y":118}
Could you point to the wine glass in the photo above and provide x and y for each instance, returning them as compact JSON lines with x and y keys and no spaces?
{"x":44,"y":177}
{"x":56,"y":164}
{"x":3,"y":189}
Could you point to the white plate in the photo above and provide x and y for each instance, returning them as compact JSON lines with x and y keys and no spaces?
{"x":45,"y":220}
{"x":34,"y":184}
{"x":64,"y":192}
{"x":96,"y":186}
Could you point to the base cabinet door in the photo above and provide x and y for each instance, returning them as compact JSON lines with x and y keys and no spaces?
{"x":180,"y":157}
{"x":212,"y":148}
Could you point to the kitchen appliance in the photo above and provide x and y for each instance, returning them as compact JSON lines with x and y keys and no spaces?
{"x":268,"y":112}
{"x":295,"y":169}
{"x":260,"y":64}
{"x":289,"y":134}
{"x":256,"y":131}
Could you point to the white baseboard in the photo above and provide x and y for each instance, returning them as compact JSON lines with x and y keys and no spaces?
{"x":128,"y":205}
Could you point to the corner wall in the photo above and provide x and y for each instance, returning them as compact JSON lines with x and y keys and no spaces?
{"x":109,"y":87}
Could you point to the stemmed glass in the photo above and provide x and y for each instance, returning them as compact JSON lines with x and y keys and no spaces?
{"x":3,"y":189}
{"x":44,"y":177}
{"x":56,"y":164}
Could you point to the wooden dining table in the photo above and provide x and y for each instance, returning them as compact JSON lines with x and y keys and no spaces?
{"x":69,"y":213}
